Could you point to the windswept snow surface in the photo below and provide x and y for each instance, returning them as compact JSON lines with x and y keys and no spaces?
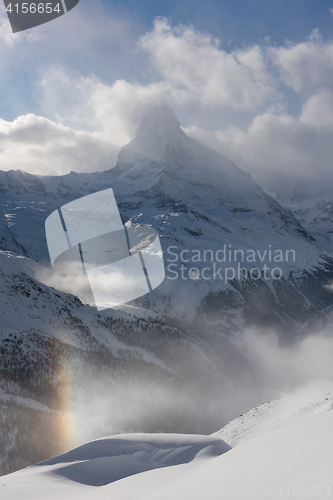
{"x":282,"y":449}
{"x":108,"y":460}
{"x":314,"y":398}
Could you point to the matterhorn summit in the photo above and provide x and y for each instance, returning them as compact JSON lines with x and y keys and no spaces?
{"x":162,"y":150}
{"x":158,"y":128}
{"x":163,"y":167}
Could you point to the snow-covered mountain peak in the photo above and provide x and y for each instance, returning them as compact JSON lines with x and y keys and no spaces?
{"x":163,"y":156}
{"x":158,"y":126}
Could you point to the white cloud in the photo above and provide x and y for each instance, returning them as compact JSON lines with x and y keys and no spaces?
{"x":280,"y":143}
{"x":318,"y":110}
{"x":200,"y":70}
{"x":285,"y":367}
{"x":276,"y":143}
{"x":245,"y":78}
{"x":38,"y":145}
{"x":305,"y":66}
{"x":91,"y":122}
{"x":111,"y":111}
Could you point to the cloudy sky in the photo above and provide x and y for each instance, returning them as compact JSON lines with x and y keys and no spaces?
{"x":251,"y":78}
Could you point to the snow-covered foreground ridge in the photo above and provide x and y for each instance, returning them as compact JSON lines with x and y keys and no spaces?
{"x":281,"y":449}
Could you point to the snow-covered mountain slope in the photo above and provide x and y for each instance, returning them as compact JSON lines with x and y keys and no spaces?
{"x":287,"y":452}
{"x":202,"y":206}
{"x":311,"y":201}
{"x":30,"y":306}
{"x":303,"y":402}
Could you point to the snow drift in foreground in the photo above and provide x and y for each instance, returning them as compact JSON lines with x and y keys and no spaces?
{"x":281,"y":449}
